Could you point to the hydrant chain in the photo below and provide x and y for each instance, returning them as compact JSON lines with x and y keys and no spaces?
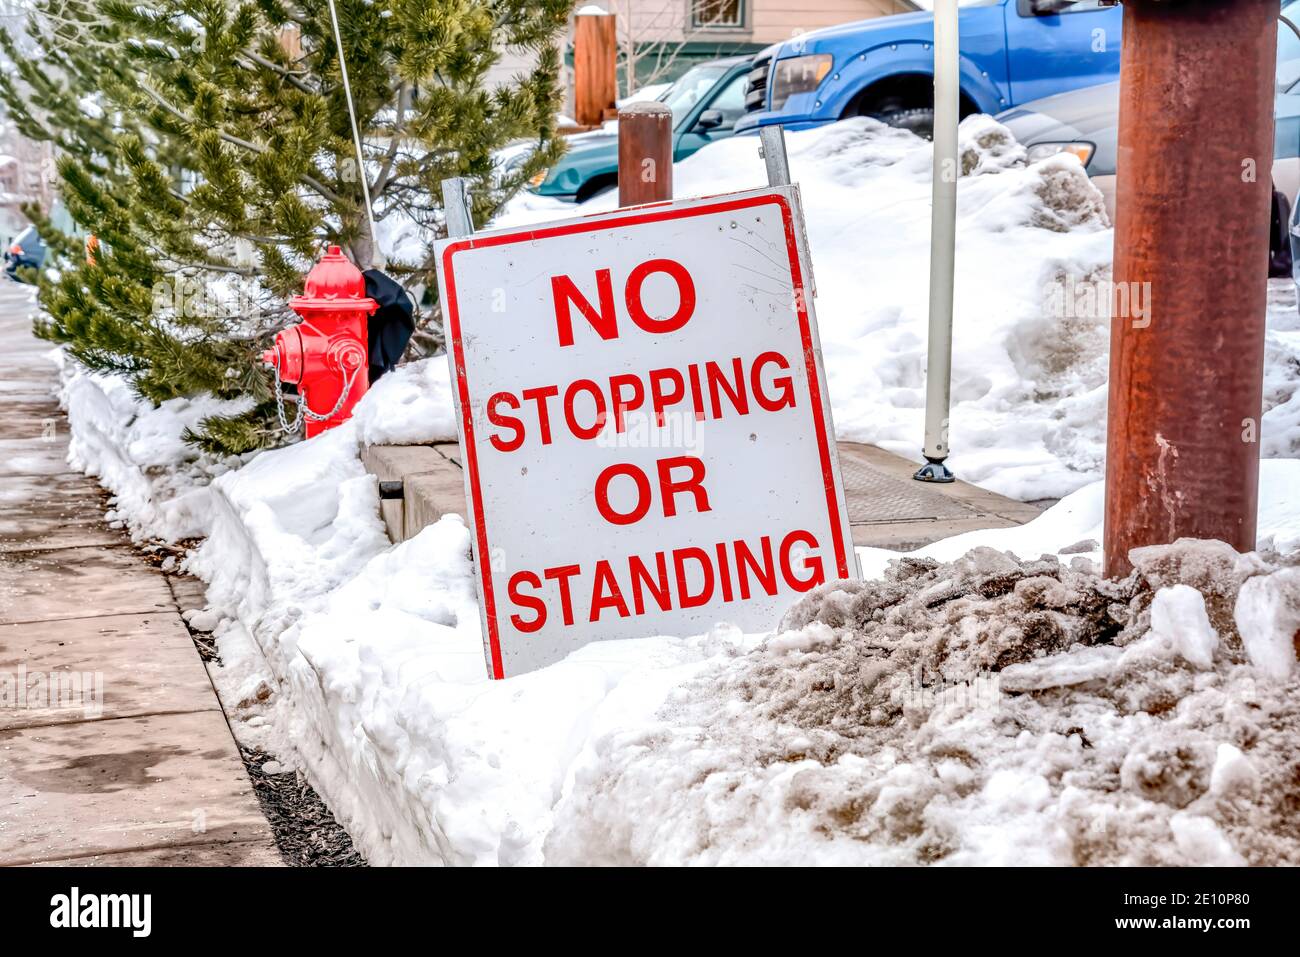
{"x":303,"y":410}
{"x":343,"y":397}
{"x":279,"y":406}
{"x":325,"y":354}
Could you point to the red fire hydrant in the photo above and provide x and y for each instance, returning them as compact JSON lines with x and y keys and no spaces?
{"x":326,"y":356}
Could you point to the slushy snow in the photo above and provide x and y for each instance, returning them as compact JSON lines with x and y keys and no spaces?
{"x":989,"y":710}
{"x":1178,"y":617}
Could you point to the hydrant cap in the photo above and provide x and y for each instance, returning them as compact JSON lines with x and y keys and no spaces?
{"x":333,"y":284}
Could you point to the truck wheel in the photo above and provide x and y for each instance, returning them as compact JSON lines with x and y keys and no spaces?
{"x":919,"y":120}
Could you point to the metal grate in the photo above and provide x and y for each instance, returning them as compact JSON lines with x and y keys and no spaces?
{"x":756,"y":87}
{"x":874,"y":498}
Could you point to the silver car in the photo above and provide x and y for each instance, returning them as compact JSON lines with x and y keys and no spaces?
{"x":1085,"y":122}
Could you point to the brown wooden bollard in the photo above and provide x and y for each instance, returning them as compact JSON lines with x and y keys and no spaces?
{"x":595,"y":50}
{"x":645,"y":154}
{"x":1191,"y":248}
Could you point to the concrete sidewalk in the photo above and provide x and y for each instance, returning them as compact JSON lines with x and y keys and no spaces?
{"x":113,"y":747}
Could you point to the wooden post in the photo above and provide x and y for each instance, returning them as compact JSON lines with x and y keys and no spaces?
{"x":290,"y":37}
{"x":1191,"y":270}
{"x":645,"y":154}
{"x":595,"y":49}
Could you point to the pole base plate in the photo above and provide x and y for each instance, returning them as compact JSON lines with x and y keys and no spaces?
{"x":935,"y":472}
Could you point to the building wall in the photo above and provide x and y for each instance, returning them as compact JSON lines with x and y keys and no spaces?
{"x":766,"y":21}
{"x":666,"y":43}
{"x":26,"y":176}
{"x":511,"y":64}
{"x":777,"y":20}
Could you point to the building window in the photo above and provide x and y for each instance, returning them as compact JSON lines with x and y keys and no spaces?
{"x":717,"y":14}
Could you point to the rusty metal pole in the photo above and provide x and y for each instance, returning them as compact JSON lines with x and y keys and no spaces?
{"x":1191,"y":270}
{"x":595,"y":81}
{"x":645,"y":154}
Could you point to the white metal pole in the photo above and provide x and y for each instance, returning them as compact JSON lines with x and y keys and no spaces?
{"x":943,"y":240}
{"x":772,"y":149}
{"x":375,"y":253}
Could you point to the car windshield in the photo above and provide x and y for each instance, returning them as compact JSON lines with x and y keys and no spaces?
{"x":26,"y":238}
{"x":684,"y":95}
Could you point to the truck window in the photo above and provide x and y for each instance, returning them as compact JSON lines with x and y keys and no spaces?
{"x":730,"y":101}
{"x":1052,"y":8}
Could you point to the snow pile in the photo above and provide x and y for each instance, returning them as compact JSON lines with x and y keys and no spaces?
{"x":1072,"y":528}
{"x":410,"y":405}
{"x":984,"y":711}
{"x":159,"y":481}
{"x":1280,"y":434}
{"x":1030,"y":345}
{"x":362,"y":664}
{"x":1267,"y":617}
{"x":137,"y":452}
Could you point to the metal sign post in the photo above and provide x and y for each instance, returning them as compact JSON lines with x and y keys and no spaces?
{"x":943,"y":241}
{"x":456,"y":207}
{"x":772,"y":149}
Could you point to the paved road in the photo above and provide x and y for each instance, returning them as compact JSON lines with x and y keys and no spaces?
{"x":113,"y":747}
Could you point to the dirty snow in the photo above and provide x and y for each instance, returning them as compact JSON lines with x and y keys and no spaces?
{"x":983,"y":711}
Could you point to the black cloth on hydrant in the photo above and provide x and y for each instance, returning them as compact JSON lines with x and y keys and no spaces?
{"x":391,"y":325}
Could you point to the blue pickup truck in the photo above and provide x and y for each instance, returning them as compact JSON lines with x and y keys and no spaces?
{"x":1012,"y":51}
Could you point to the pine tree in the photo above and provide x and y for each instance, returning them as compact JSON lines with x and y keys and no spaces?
{"x":207,"y":145}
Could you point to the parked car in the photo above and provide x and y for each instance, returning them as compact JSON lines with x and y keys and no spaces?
{"x":26,"y":249}
{"x":1086,"y":123}
{"x":706,"y":102}
{"x":1012,"y":51}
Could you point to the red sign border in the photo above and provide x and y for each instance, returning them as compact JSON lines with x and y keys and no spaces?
{"x":654,"y":214}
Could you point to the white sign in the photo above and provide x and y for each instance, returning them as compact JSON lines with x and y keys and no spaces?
{"x":644,"y":425}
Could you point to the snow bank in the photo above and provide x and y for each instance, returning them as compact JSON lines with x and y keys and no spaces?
{"x":410,"y":405}
{"x":159,"y":481}
{"x":362,"y":664}
{"x":137,"y":452}
{"x":982,"y":711}
{"x":1072,"y":528}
